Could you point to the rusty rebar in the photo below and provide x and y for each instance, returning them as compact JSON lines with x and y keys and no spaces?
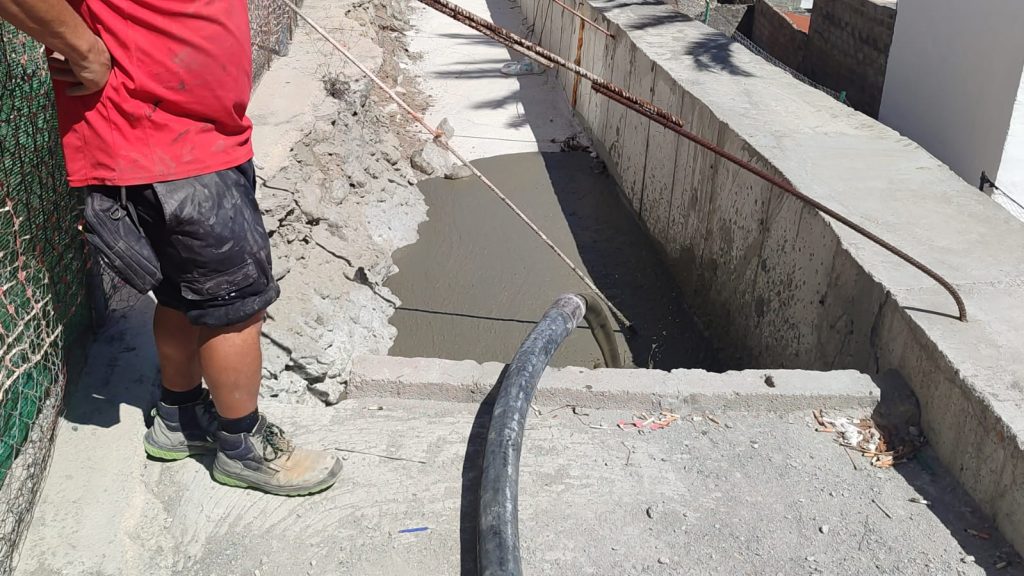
{"x":579,"y":59}
{"x":785,"y":186}
{"x":670,"y":121}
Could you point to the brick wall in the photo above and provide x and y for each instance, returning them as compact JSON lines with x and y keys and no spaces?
{"x":848,"y":48}
{"x":773,"y":32}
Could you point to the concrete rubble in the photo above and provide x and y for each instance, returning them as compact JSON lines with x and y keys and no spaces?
{"x":342,"y":202}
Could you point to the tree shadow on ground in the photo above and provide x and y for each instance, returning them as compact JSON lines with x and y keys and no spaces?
{"x":614,"y":4}
{"x":713,"y":53}
{"x":654,"y":21}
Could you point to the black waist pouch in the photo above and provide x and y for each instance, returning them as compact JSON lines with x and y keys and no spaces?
{"x":113,"y":228}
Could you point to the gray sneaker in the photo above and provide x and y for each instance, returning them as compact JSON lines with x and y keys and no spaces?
{"x":180,"y":431}
{"x":265,"y":460}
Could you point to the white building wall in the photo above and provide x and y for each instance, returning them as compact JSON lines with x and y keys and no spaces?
{"x":953,"y":74}
{"x":1011,"y":170}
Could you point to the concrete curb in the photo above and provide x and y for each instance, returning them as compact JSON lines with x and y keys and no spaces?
{"x":680,"y":390}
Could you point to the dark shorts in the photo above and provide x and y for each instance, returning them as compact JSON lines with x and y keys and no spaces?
{"x":208,"y":235}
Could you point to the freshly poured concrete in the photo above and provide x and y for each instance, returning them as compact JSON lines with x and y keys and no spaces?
{"x":478,"y":279}
{"x":497,"y":115}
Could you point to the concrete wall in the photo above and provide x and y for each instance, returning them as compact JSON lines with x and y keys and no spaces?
{"x":847,"y":48}
{"x":779,"y":284}
{"x":777,"y":35}
{"x":954,"y":71}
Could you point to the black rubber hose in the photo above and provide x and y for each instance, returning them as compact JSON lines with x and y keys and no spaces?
{"x":498,"y":537}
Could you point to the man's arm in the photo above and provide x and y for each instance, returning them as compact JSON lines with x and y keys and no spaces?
{"x":84,"y":60}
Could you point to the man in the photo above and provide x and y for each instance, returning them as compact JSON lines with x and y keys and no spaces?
{"x":151,"y":100}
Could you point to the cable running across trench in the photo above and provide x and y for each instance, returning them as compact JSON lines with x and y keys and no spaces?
{"x":670,"y":121}
{"x":442,"y":140}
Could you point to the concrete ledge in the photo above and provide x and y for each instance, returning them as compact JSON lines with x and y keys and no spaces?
{"x":783,"y":286}
{"x":636,"y":390}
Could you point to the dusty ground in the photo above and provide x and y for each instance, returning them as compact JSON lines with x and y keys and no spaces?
{"x":750,"y":494}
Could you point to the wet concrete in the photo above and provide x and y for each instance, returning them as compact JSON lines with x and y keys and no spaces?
{"x":478,"y":279}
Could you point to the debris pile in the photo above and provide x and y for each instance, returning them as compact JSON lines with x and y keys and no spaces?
{"x":653,"y":422}
{"x":335,"y":214}
{"x":862,"y":435}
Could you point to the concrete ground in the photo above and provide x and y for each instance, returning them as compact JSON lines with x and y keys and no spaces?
{"x":733,"y":493}
{"x":492,"y":113}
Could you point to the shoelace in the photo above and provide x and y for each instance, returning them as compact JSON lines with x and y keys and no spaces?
{"x":275,"y":442}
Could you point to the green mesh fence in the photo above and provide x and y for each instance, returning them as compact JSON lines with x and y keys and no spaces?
{"x":42,"y":308}
{"x":271,"y":23}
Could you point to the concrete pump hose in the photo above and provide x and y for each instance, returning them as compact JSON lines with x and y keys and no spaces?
{"x":498,"y":535}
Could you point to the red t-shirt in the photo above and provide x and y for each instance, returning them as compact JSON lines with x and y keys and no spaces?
{"x":175,"y":103}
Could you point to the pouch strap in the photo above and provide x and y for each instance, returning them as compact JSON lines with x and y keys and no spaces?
{"x":129,"y":208}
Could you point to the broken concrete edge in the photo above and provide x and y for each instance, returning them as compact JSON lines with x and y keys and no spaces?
{"x":630,"y":390}
{"x":782,"y":284}
{"x":338,"y":198}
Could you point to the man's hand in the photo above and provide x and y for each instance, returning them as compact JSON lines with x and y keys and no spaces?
{"x":87,"y":74}
{"x":82,"y":58}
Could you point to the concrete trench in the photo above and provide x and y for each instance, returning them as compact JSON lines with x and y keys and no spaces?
{"x":433,"y":284}
{"x":775,"y":283}
{"x":770,"y":281}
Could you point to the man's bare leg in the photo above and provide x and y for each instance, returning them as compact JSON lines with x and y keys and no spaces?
{"x":177,"y":346}
{"x":229,"y":358}
{"x":232,"y":364}
{"x":185,"y":422}
{"x":252,"y":452}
